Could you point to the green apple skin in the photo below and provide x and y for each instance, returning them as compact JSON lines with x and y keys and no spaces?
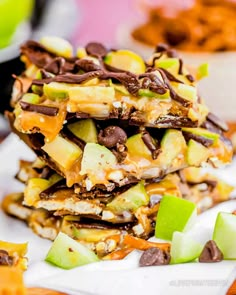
{"x":225,"y":234}
{"x":196,"y":153}
{"x":184,"y":249}
{"x":174,"y":214}
{"x":96,"y":158}
{"x":63,"y":151}
{"x":130,"y":200}
{"x":137,"y":148}
{"x":202,"y":132}
{"x":85,"y":130}
{"x":172,"y":145}
{"x":68,"y":253}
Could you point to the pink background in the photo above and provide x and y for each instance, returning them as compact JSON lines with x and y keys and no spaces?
{"x":99,"y":19}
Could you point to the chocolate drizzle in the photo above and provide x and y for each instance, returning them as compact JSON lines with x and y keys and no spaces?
{"x":148,"y":141}
{"x":42,"y":109}
{"x":66,"y":70}
{"x":166,"y":77}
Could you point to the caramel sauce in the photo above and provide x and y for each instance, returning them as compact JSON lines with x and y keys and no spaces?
{"x":49,"y":126}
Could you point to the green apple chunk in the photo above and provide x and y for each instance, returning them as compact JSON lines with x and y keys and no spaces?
{"x":196,"y":153}
{"x":67,"y":253}
{"x":56,"y":91}
{"x":186,"y":91}
{"x":203,"y":71}
{"x":225,"y":234}
{"x":173,"y":144}
{"x":92,"y":94}
{"x":151,"y":94}
{"x":126,"y":60}
{"x":85,"y":130}
{"x":34,"y":187}
{"x":96,"y":158}
{"x":167,"y":63}
{"x":136,"y":147}
{"x":130,"y":200}
{"x":203,"y":133}
{"x":64,"y":152}
{"x":174,"y":214}
{"x":31,"y":98}
{"x":57,"y":45}
{"x":183,"y":248}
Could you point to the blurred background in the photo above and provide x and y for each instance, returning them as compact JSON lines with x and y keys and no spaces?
{"x":202,"y":30}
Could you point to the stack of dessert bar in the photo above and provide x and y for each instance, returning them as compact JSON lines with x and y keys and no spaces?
{"x":112,"y":134}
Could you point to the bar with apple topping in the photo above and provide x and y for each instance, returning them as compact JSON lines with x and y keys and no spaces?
{"x":113,"y":136}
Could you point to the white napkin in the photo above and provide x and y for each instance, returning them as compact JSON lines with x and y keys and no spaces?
{"x":113,"y":277}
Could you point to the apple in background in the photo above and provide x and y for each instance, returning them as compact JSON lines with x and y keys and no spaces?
{"x":68,"y":253}
{"x":12,"y":12}
{"x":225,"y":234}
{"x":174,"y":214}
{"x":184,"y":248}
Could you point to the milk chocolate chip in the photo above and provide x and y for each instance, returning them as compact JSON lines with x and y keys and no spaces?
{"x":111,"y":136}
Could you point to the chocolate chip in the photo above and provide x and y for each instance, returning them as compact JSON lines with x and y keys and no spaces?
{"x":42,"y":109}
{"x":96,"y":49}
{"x":211,"y":253}
{"x":87,"y":65}
{"x":154,"y":256}
{"x":111,"y":136}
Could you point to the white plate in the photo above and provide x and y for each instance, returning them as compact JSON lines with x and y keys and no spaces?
{"x":218,"y":90}
{"x":111,"y":277}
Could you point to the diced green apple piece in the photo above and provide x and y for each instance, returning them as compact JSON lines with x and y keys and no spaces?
{"x":202,"y":132}
{"x":196,"y":153}
{"x":203,"y":71}
{"x":64,"y":152}
{"x":149,"y":93}
{"x":130,"y":200}
{"x":67,"y":253}
{"x":186,"y":91}
{"x":31,"y":98}
{"x":58,"y":46}
{"x":96,"y":158}
{"x":93,"y":235}
{"x":136,"y":147}
{"x":173,"y":144}
{"x":56,"y":91}
{"x":167,"y":63}
{"x":33,"y":188}
{"x":91,"y":94}
{"x":174,"y":214}
{"x":184,"y":249}
{"x":225,"y":234}
{"x":85,"y":130}
{"x":126,"y":60}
